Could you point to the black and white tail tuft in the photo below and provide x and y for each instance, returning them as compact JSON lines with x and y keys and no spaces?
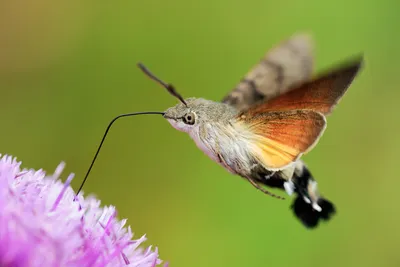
{"x":309,"y":207}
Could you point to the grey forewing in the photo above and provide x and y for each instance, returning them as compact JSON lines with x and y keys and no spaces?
{"x":283,"y":67}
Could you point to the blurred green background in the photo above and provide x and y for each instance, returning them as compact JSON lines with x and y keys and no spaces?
{"x":68,"y":67}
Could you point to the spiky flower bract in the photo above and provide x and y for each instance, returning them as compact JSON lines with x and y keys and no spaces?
{"x":42,"y":224}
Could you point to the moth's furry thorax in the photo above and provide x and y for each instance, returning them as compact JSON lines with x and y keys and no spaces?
{"x":215,"y":132}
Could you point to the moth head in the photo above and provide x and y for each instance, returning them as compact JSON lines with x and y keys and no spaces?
{"x":188,"y":115}
{"x":190,"y":112}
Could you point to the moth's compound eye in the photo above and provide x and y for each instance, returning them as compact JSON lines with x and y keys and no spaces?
{"x":189,"y":118}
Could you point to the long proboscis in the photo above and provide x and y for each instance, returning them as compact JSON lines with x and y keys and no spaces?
{"x":104,"y":137}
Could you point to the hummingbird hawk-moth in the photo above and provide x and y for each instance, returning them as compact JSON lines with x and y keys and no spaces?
{"x":260,"y":130}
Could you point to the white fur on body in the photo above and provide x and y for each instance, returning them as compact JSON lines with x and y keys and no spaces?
{"x":233,"y":144}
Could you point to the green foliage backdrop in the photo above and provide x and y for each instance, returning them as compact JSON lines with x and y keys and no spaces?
{"x":68,"y":67}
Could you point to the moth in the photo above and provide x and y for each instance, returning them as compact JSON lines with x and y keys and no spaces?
{"x":262,"y":127}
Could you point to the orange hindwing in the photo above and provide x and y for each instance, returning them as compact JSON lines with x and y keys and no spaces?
{"x":280,"y":138}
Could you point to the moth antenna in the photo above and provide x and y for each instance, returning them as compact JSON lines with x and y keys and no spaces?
{"x":104,"y":137}
{"x":170,"y":88}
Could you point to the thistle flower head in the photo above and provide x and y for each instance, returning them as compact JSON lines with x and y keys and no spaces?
{"x":43,"y":224}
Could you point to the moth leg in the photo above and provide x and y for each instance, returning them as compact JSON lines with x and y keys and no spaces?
{"x":223,"y":163}
{"x":217,"y":151}
{"x":256,"y":185}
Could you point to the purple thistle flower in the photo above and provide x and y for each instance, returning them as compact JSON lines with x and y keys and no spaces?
{"x":42,"y":225}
